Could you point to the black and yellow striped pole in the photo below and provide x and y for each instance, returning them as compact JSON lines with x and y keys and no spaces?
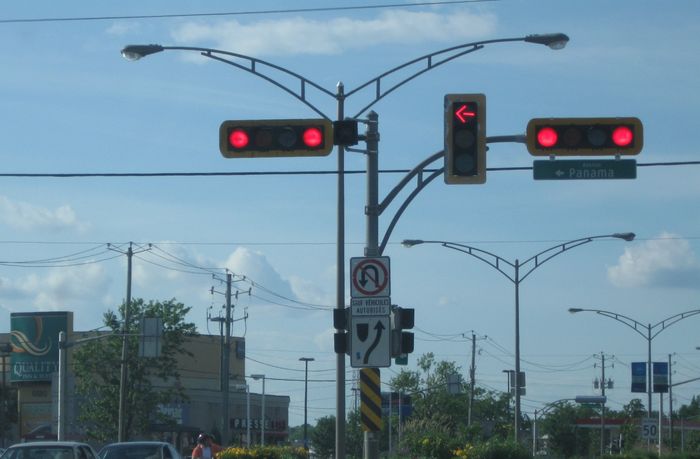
{"x":371,"y":400}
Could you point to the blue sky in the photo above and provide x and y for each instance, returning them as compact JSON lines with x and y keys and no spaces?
{"x":71,"y":104}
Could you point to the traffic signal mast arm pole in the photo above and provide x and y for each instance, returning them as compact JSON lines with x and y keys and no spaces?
{"x":422,"y":182}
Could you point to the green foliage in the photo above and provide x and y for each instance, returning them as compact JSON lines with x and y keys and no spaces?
{"x":264,"y":452}
{"x":323,"y":437}
{"x":434,"y":437}
{"x":495,"y":448}
{"x":151,"y":383}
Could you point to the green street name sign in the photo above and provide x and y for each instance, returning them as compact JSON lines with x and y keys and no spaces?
{"x":584,"y":169}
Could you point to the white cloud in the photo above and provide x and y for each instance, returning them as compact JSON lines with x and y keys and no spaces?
{"x":255,"y":266}
{"x":121,"y":28}
{"x":67,"y":288}
{"x":299,"y":35}
{"x":26,"y":216}
{"x":665,"y":261}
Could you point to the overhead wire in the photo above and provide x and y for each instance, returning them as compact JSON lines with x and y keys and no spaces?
{"x":238,"y":13}
{"x":278,"y":173}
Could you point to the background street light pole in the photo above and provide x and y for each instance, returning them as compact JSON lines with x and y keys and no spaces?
{"x":645,"y":331}
{"x":259,"y":68}
{"x":262,"y":422}
{"x":306,"y":361}
{"x":516,"y":278}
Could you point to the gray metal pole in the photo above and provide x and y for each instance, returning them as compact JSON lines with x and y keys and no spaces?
{"x":472,"y":371}
{"x":649,"y":338}
{"x":306,"y":399}
{"x":517,"y":352}
{"x":121,"y":434}
{"x":340,"y":286}
{"x":60,"y":431}
{"x":670,"y":405}
{"x":371,"y":439}
{"x":262,"y":428}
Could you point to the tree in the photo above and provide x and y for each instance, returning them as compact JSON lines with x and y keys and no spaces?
{"x":323,"y":437}
{"x":564,"y":436}
{"x":151,"y":383}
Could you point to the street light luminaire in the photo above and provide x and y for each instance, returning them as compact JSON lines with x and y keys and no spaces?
{"x":553,"y":40}
{"x":625,"y":236}
{"x":136,"y":52}
{"x":408,"y":243}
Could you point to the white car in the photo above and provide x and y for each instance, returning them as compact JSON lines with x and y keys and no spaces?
{"x":139,"y":450}
{"x":50,"y":450}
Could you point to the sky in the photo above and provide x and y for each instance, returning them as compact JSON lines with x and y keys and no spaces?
{"x":72,"y":105}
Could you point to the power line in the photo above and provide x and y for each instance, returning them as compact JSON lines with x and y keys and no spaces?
{"x":238,"y":13}
{"x":277,"y":173}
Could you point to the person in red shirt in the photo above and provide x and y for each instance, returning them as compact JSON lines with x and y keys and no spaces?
{"x":206,"y":448}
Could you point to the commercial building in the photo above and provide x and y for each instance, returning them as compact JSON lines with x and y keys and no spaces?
{"x":29,"y":402}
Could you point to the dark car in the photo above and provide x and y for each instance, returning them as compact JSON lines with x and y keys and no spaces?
{"x":50,"y":450}
{"x":139,"y":450}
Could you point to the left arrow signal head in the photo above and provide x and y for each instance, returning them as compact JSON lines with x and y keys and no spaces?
{"x":464,"y":114}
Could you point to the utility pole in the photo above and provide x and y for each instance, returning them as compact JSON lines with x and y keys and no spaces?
{"x":225,"y":357}
{"x":472,"y":377}
{"x":603,"y":385}
{"x":226,"y":364}
{"x":124,"y":373}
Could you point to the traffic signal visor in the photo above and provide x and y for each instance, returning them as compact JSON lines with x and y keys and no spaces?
{"x":275,"y":138}
{"x":584,"y":136}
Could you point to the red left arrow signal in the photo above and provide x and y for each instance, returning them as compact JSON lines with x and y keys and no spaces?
{"x":464,"y":114}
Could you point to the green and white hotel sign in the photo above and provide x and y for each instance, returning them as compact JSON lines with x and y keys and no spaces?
{"x":34,"y":340}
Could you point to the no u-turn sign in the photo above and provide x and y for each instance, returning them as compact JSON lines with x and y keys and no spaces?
{"x":369,"y":277}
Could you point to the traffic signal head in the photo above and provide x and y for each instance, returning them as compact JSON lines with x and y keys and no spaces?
{"x":341,"y":321}
{"x":584,"y":136}
{"x":275,"y":138}
{"x":402,"y":342}
{"x":465,"y":138}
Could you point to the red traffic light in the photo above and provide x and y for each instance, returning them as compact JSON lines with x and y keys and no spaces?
{"x":584,"y":136}
{"x":238,"y":138}
{"x":312,"y":137}
{"x":275,"y":138}
{"x":547,"y":137}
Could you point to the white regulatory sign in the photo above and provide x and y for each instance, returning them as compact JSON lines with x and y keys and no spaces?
{"x":370,"y":343}
{"x":650,"y":428}
{"x":369,"y":276}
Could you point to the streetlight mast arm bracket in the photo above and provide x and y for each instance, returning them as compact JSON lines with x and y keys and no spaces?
{"x":667,"y":322}
{"x":253,"y":68}
{"x":552,"y":252}
{"x":429,"y":65}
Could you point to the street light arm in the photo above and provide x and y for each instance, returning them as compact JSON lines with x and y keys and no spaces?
{"x":554,"y":41}
{"x":489,"y":258}
{"x":668,"y":321}
{"x":547,"y":254}
{"x":630,"y":322}
{"x":134,"y":52}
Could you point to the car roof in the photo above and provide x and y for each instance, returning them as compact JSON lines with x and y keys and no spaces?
{"x":48,"y":443}
{"x":138,"y":443}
